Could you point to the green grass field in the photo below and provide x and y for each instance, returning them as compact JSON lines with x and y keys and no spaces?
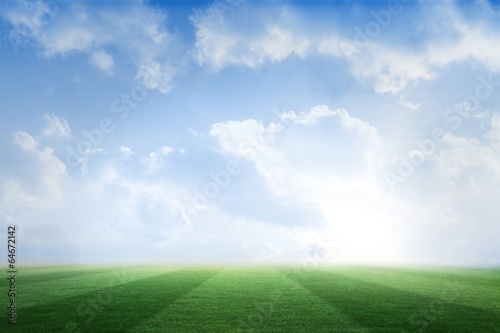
{"x":250,"y":299}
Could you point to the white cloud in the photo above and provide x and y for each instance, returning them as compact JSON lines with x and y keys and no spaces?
{"x":194,"y":132}
{"x":74,"y":39}
{"x":102,"y":60}
{"x":409,"y":104}
{"x":475,"y":42}
{"x":393,"y":67}
{"x":391,"y":70}
{"x":278,"y":44}
{"x":463,"y":154}
{"x":135,"y":29}
{"x":46,"y":190}
{"x":166,"y":150}
{"x":336,"y":46}
{"x":84,"y":159}
{"x":371,"y":224}
{"x":311,"y":117}
{"x":356,"y":207}
{"x":25,"y":141}
{"x":155,"y":76}
{"x":126,"y":152}
{"x":220,"y":41}
{"x":92,"y":151}
{"x":27,"y":18}
{"x":458,"y":206}
{"x":494,"y":134}
{"x":155,"y":206}
{"x":214,"y":49}
{"x":55,"y":126}
{"x":225,"y":38}
{"x":247,"y":137}
{"x":240,"y":138}
{"x":326,"y":161}
{"x":155,"y":160}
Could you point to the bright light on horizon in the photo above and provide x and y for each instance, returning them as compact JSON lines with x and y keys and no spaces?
{"x":232,"y":132}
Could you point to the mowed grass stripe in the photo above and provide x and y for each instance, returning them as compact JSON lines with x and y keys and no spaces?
{"x":249,"y":300}
{"x":34,"y":294}
{"x":477,"y":288}
{"x":385,"y":309}
{"x":112,"y":309}
{"x":259,"y":300}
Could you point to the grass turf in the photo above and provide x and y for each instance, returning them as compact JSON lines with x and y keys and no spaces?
{"x":231,"y":299}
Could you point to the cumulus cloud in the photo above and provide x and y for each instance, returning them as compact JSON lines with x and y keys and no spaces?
{"x":55,"y":126}
{"x":363,"y":231}
{"x":102,"y":60}
{"x":143,"y":205}
{"x":223,"y":40}
{"x":327,"y":162}
{"x":337,"y":46}
{"x":46,"y":190}
{"x":126,"y":152}
{"x":390,"y":69}
{"x":463,"y":154}
{"x":28,"y":18}
{"x":278,"y":44}
{"x":311,"y":117}
{"x":156,"y":76}
{"x":464,"y":41}
{"x":409,"y":104}
{"x":25,"y":141}
{"x":457,"y":217}
{"x":371,"y":223}
{"x":155,"y":160}
{"x":249,"y":137}
{"x":64,"y":29}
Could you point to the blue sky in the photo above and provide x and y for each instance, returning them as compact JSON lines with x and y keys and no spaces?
{"x":248,"y":132}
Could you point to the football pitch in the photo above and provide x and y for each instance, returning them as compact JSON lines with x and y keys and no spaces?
{"x":254,"y":299}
